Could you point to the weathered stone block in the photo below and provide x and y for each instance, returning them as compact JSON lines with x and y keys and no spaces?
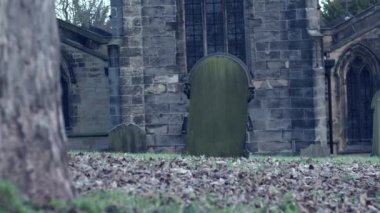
{"x":299,"y":45}
{"x":137,"y":80}
{"x":169,"y":140}
{"x":277,"y":103}
{"x":276,"y":25}
{"x":156,"y":108}
{"x":272,"y":55}
{"x":278,"y":83}
{"x":259,"y":124}
{"x":257,"y":113}
{"x":276,"y":64}
{"x":296,"y":4}
{"x":155,"y":88}
{"x":262,"y":46}
{"x":252,"y":147}
{"x":278,"y":45}
{"x":132,"y":110}
{"x":138,"y":119}
{"x":168,"y":98}
{"x":303,"y":124}
{"x":302,"y":24}
{"x":137,"y":99}
{"x":265,"y":36}
{"x":274,"y":146}
{"x":174,"y":88}
{"x":274,"y":6}
{"x":179,"y":108}
{"x":153,"y":11}
{"x":289,"y":14}
{"x":175,"y":129}
{"x":169,"y":79}
{"x":315,"y":150}
{"x":301,"y":83}
{"x":279,"y":124}
{"x":267,"y":136}
{"x":302,"y":102}
{"x":150,"y":140}
{"x":164,"y":119}
{"x":261,"y":84}
{"x":157,"y":129}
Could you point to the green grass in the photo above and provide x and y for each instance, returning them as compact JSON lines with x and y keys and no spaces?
{"x":11,"y":201}
{"x":121,"y":201}
{"x":118,"y":201}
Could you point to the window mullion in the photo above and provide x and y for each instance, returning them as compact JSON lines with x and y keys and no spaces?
{"x":225,"y":32}
{"x":204,"y":27}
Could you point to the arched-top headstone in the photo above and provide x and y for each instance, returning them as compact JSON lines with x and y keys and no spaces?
{"x":218,"y":107}
{"x":127,"y":138}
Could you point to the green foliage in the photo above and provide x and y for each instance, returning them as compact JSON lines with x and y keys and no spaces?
{"x":332,"y":10}
{"x":121,"y":201}
{"x":288,"y":204}
{"x":84,"y":13}
{"x":11,"y":200}
{"x":218,"y":108}
{"x":335,"y":9}
{"x":377,"y":195}
{"x":127,"y":138}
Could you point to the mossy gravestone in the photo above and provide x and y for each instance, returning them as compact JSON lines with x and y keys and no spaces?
{"x":218,"y":108}
{"x":127,"y":138}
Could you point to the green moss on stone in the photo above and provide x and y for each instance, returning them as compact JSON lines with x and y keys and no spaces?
{"x":218,"y":108}
{"x":127,"y":138}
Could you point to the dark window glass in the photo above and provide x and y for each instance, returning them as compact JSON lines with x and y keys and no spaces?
{"x":65,"y":102}
{"x":194,"y":34}
{"x":215,"y":24}
{"x":360,"y":90}
{"x":365,"y":105}
{"x":215,"y":29}
{"x":235,"y":31}
{"x":353,"y":122}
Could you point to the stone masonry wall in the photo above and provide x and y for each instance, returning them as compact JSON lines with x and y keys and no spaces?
{"x":89,"y":96}
{"x":280,"y":57}
{"x":283,"y":108}
{"x":367,"y":34}
{"x":151,"y":67}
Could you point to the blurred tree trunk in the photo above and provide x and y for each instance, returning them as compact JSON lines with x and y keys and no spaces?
{"x":32,"y":140}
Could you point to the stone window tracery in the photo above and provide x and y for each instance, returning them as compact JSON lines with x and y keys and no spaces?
{"x":214,"y":26}
{"x":360,"y":90}
{"x":65,"y":101}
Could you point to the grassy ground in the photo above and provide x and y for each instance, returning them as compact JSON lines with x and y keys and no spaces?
{"x":126,"y":183}
{"x":118,"y":201}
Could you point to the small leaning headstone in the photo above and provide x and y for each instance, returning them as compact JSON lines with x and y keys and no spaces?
{"x":127,"y":138}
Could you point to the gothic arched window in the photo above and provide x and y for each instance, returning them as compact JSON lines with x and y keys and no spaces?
{"x":65,"y":100}
{"x":360,"y":90}
{"x":214,"y":26}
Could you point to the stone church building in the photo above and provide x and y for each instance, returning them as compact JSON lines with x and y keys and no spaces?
{"x":312,"y":84}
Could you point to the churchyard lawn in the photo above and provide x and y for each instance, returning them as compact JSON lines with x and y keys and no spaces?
{"x":174,"y":183}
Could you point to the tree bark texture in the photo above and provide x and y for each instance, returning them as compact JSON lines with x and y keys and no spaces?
{"x":32,"y":139}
